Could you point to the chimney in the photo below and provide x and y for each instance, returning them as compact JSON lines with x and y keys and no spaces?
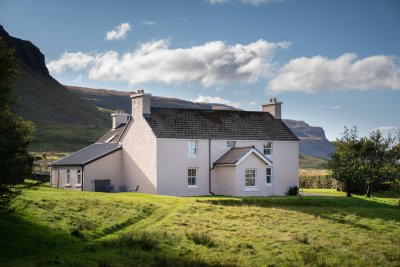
{"x":140,"y":104}
{"x":273,"y":107}
{"x":119,"y":117}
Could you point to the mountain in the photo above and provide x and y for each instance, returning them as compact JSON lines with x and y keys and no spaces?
{"x":112,"y":100}
{"x":312,"y":139}
{"x":63,"y":120}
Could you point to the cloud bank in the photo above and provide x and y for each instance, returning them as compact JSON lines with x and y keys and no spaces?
{"x":346,"y":72}
{"x":215,"y":99}
{"x":211,"y":64}
{"x":118,"y":33}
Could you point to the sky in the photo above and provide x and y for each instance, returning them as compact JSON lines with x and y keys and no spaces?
{"x":331,"y":63}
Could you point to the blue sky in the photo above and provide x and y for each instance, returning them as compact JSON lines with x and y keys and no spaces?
{"x":332,"y":63}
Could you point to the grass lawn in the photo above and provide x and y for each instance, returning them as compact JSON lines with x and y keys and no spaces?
{"x":59,"y":227}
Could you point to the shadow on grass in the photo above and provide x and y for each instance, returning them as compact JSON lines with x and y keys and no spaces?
{"x":328,"y":207}
{"x":25,"y":243}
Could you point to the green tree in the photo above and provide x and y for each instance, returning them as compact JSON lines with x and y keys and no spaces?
{"x":345,"y":163}
{"x":15,"y":135}
{"x":369,"y":163}
{"x":380,"y":160}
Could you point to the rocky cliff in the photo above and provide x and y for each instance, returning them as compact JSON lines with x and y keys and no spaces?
{"x":312,"y":139}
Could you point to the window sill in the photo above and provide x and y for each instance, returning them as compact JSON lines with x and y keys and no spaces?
{"x":251,"y":189}
{"x":192,"y":186}
{"x":269,"y":185}
{"x":67,"y":185}
{"x":78,"y":185}
{"x":192,"y":156}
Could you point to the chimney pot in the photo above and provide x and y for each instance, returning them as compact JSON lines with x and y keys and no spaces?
{"x":118,"y":118}
{"x":273,"y":107}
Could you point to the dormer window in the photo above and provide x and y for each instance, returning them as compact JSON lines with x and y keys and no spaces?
{"x":231,"y":144}
{"x":192,"y":148}
{"x":267,"y":148}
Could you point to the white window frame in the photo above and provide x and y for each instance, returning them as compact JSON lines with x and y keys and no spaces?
{"x":196,"y":177}
{"x":231,"y":143}
{"x":246,"y":178}
{"x":268,"y":148}
{"x":268,"y":175}
{"x":68,"y":178}
{"x":193,"y":148}
{"x":78,"y":178}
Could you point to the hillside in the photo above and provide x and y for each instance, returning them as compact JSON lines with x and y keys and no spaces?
{"x":60,"y":227}
{"x":59,"y":115}
{"x":312,"y":139}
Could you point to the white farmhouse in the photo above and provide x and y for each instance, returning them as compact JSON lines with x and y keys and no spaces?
{"x":187,"y":152}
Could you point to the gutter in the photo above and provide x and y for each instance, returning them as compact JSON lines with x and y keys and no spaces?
{"x":209,"y":167}
{"x":83,"y":176}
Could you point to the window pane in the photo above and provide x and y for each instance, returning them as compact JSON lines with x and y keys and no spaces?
{"x":192,"y":147}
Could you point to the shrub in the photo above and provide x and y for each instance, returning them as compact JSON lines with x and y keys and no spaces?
{"x":318,"y":181}
{"x":293,"y":191}
{"x":201,"y":239}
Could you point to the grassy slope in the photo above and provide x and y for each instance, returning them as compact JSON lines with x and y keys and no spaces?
{"x":310,"y":162}
{"x":64,"y":122}
{"x":127,"y":229}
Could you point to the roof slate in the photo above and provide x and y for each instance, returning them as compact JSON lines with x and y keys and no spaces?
{"x":113,"y":133}
{"x":235,"y":154}
{"x":218,"y":124}
{"x":87,"y":154}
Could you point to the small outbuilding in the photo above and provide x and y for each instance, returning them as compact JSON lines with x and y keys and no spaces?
{"x":93,"y":168}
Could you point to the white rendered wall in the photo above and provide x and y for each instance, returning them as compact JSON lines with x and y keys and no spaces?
{"x":106,"y":168}
{"x":224,"y":180}
{"x":261,"y":188}
{"x":173,"y":162}
{"x":139,"y":156}
{"x":59,"y":177}
{"x":172,"y":167}
{"x":286,"y":166}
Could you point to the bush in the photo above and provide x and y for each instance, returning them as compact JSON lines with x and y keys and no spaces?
{"x":201,"y":239}
{"x":293,"y":191}
{"x":318,"y":181}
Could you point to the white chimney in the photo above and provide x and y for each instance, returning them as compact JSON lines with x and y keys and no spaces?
{"x":118,"y":118}
{"x":274,"y":108}
{"x":140,"y":104}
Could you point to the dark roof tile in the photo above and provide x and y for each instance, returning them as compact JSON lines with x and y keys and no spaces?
{"x":217,"y":124}
{"x":87,"y":154}
{"x":112,"y":135}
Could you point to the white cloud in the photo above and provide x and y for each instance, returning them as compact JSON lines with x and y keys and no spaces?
{"x":246,"y":2}
{"x":346,"y":72}
{"x":211,"y":64}
{"x":215,"y":99}
{"x":119,"y":32}
{"x":148,"y":23}
{"x":75,"y":61}
{"x":331,"y":107}
{"x":253,"y":103}
{"x":386,"y":129}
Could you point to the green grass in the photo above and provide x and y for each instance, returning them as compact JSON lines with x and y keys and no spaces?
{"x":310,"y":162}
{"x":65,"y":137}
{"x":66,"y":228}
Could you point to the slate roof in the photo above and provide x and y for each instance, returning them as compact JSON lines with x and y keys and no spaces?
{"x":112,"y":135}
{"x":218,"y":124}
{"x":235,"y":154}
{"x":88,"y":154}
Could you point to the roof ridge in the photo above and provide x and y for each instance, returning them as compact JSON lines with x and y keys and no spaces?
{"x":212,"y":110}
